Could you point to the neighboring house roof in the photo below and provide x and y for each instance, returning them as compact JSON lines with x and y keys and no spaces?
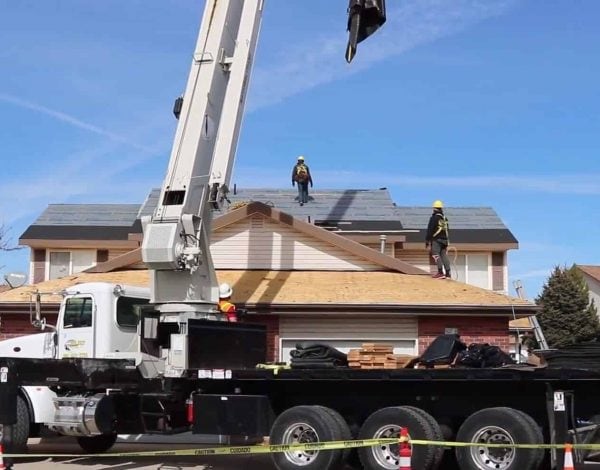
{"x":314,"y":291}
{"x":83,"y":222}
{"x":245,"y":211}
{"x":592,"y":271}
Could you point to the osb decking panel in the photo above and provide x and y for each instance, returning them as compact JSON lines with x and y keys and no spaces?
{"x":307,"y":287}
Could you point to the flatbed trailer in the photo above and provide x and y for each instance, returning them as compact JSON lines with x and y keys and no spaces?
{"x":509,"y":405}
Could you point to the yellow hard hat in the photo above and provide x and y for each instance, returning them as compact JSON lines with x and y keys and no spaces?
{"x":300,"y":158}
{"x":438,"y":204}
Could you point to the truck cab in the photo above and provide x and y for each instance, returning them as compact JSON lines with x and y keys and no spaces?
{"x":95,"y":320}
{"x":98,"y":319}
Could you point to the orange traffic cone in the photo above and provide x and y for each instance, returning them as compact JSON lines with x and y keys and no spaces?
{"x":2,"y":466}
{"x":569,"y":465}
{"x":405,"y":450}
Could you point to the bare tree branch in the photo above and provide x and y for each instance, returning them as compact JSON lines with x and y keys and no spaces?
{"x":6,"y":243}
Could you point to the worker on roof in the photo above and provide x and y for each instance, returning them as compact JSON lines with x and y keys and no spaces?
{"x":438,"y":238}
{"x":301,"y":175}
{"x":225,"y":306}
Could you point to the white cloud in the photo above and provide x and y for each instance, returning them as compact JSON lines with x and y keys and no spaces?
{"x":574,"y":184}
{"x":533,"y":274}
{"x":414,"y":23}
{"x":73,"y":121}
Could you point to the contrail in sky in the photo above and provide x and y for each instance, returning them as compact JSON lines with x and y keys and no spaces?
{"x":73,"y":121}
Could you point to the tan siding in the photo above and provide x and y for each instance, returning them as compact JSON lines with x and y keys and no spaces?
{"x":116,"y":252}
{"x":39,"y":266}
{"x":420,"y":259}
{"x":498,"y":271}
{"x":259,"y":243}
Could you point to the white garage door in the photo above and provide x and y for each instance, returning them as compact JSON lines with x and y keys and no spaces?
{"x":348,"y":333}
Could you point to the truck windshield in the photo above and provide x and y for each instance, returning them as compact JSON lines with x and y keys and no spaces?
{"x":127,"y":313}
{"x":78,"y":312}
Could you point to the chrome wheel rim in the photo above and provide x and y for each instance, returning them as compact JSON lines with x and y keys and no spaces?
{"x":496,"y":458}
{"x":387,"y":456}
{"x":300,"y":433}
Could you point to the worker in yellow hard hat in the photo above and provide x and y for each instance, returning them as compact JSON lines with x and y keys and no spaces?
{"x":301,"y":175}
{"x":438,"y":238}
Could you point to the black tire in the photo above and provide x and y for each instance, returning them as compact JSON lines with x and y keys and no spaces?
{"x":436,"y":435}
{"x":502,"y":424}
{"x":375,"y":458}
{"x":19,"y":432}
{"x":96,"y":444}
{"x":536,"y":436}
{"x":343,"y":428}
{"x":294,"y":425}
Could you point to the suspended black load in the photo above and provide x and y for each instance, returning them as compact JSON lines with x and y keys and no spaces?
{"x":364,"y":18}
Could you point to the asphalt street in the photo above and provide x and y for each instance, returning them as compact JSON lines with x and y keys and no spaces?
{"x":67,"y":445}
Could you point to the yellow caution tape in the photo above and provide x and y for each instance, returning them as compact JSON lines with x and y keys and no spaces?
{"x":231,"y":450}
{"x":418,"y":442}
{"x":314,"y":446}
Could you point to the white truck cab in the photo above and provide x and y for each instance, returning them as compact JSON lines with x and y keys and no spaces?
{"x":95,"y":320}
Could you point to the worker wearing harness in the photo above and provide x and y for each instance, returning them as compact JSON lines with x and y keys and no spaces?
{"x":437,"y":237}
{"x":225,"y":306}
{"x":301,"y":175}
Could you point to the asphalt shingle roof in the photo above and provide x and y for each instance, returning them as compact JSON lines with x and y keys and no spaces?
{"x":346,"y":210}
{"x":122,"y":215}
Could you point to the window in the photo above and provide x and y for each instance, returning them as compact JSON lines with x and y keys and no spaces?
{"x":64,"y":263}
{"x":78,"y":312}
{"x":60,"y":264}
{"x":127,"y":311}
{"x":473,"y":269}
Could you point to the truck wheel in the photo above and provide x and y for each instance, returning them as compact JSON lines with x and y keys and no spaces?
{"x":386,"y":424}
{"x":536,"y":436}
{"x":436,"y":435}
{"x":343,"y":428}
{"x":19,"y":432}
{"x":96,"y":444}
{"x":498,"y":426}
{"x":306,"y":425}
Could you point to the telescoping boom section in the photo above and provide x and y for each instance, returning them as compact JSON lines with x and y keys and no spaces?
{"x":176,"y":237}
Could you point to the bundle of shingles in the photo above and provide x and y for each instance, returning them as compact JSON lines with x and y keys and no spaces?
{"x":576,"y":356}
{"x":377,"y":356}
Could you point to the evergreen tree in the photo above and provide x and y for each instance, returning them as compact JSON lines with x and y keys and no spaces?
{"x":567,"y":316}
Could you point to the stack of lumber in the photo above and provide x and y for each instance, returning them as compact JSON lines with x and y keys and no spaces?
{"x":377,"y":356}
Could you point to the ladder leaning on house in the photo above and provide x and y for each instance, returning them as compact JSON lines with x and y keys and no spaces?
{"x":537,"y":329}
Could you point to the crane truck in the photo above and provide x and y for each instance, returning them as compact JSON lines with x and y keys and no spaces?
{"x":191,"y":370}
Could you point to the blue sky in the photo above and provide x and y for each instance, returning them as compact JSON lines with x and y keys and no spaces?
{"x":476,"y":102}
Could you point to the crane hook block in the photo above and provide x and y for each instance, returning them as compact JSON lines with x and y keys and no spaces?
{"x":364,"y":18}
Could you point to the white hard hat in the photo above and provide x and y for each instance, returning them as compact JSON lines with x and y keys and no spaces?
{"x":225,"y":291}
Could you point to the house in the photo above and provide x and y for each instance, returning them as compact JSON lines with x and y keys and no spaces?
{"x":69,"y":238}
{"x":318,"y":276}
{"x":591,"y":274}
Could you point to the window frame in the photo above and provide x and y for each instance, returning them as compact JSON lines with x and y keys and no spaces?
{"x":488,"y":255}
{"x":71,"y":252}
{"x":79,"y":297}
{"x":138,"y":301}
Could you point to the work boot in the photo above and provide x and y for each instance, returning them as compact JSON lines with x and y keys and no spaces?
{"x":439,"y":276}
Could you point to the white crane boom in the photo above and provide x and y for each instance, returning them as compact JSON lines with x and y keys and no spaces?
{"x":176,"y":238}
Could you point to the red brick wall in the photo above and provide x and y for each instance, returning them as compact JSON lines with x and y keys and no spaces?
{"x":272,"y":324}
{"x":15,"y":325}
{"x":492,"y":330}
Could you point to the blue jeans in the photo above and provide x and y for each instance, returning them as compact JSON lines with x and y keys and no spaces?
{"x":302,"y":192}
